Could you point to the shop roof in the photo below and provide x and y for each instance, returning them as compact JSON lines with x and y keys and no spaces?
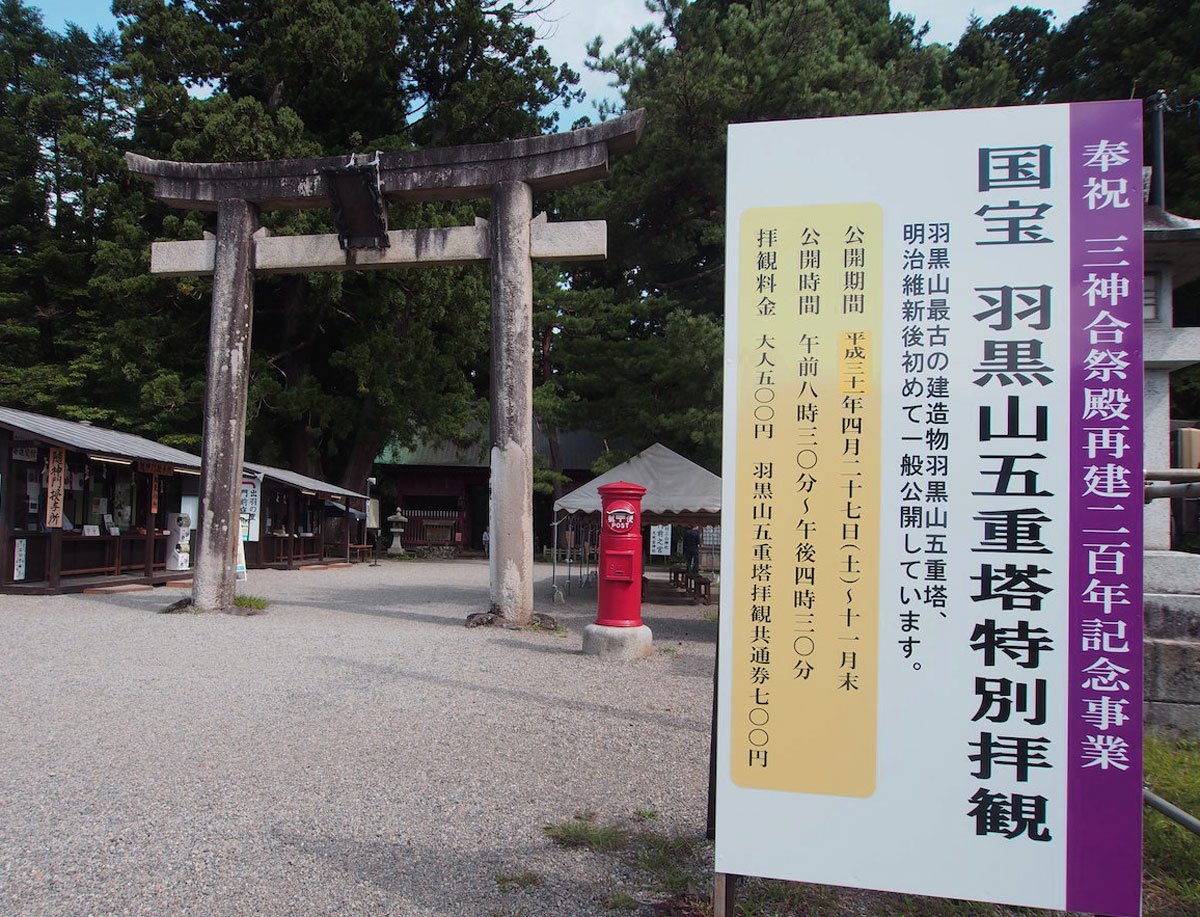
{"x":97,"y":441}
{"x":102,"y":443}
{"x":677,"y":489}
{"x":302,"y":481}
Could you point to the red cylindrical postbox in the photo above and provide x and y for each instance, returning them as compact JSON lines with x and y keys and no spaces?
{"x":619,"y":592}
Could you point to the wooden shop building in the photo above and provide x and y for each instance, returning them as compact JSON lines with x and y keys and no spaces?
{"x":82,"y":506}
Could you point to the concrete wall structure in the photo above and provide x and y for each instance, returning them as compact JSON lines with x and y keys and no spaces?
{"x":1172,"y":578}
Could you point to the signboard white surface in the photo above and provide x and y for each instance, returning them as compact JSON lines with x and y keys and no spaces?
{"x":930,"y":670}
{"x":190,"y":506}
{"x":251,"y":498}
{"x":240,"y":574}
{"x":660,"y":540}
{"x":19,"y":554}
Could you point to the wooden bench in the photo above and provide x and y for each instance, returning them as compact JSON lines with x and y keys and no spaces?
{"x":699,"y":588}
{"x":679,"y":576}
{"x":362,"y":551}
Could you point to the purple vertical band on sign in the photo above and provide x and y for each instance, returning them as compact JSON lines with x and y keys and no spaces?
{"x":1104,"y":720}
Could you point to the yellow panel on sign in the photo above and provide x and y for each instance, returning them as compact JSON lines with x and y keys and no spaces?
{"x":806,"y":523}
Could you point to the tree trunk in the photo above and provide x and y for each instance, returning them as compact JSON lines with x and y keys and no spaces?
{"x":298,"y":336}
{"x":550,"y":430}
{"x":364,"y":449}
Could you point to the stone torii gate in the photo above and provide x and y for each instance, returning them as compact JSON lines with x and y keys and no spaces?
{"x":358,"y":188}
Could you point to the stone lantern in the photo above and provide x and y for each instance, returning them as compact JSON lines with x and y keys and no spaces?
{"x":396,"y":520}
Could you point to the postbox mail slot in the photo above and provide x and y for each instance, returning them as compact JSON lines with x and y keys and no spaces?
{"x":619,"y":566}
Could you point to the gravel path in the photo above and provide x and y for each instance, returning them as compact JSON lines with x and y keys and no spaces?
{"x":354,"y":750}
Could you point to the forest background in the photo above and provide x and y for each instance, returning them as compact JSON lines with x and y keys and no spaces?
{"x":343,"y":364}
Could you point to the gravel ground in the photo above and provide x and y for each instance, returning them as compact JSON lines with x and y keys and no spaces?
{"x":354,"y":750}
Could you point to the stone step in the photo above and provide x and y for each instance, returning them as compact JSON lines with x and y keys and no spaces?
{"x":1172,"y":617}
{"x":1172,"y":671}
{"x":1173,"y":718}
{"x":1171,"y":571}
{"x":1172,"y":685}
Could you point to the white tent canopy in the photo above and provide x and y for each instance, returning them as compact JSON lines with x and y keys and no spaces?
{"x":677,"y":490}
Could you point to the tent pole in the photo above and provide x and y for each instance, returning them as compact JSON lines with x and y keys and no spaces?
{"x":591,"y":561}
{"x":554,"y":553}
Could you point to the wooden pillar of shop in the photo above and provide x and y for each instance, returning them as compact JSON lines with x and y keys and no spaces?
{"x":223,"y":446}
{"x":54,"y":553}
{"x":346,"y":529}
{"x":292,"y":535}
{"x":151,"y":529}
{"x":8,"y":499}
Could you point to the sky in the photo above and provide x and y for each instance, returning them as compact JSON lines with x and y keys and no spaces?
{"x":568,"y":25}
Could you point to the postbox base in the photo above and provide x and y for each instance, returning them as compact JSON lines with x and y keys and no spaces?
{"x":618,"y":642}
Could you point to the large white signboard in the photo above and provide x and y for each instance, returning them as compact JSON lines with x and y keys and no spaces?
{"x":931,"y":666}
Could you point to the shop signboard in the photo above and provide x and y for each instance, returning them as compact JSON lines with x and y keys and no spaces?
{"x":251,"y":496}
{"x":660,"y":540}
{"x":56,"y":474}
{"x":19,"y":554}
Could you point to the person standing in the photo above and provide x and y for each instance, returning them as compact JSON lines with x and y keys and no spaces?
{"x":691,"y":549}
{"x":487,"y":543}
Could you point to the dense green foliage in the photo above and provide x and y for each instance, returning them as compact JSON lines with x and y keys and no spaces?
{"x":630,"y":348}
{"x":655,"y":313}
{"x":1172,"y":884}
{"x":341,"y":363}
{"x":713,"y":62}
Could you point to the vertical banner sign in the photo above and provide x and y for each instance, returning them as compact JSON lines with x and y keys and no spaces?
{"x":248,"y":510}
{"x":19,"y":554}
{"x":933,"y":459}
{"x":56,"y":478}
{"x":240,"y":575}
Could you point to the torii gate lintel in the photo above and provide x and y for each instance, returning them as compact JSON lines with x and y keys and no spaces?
{"x":439,"y":174}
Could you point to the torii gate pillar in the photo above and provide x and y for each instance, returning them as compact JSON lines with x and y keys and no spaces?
{"x":224,"y":444}
{"x":358,"y":189}
{"x":510,"y":558}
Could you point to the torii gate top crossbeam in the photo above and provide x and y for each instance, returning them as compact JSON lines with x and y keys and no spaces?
{"x":449,"y":173}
